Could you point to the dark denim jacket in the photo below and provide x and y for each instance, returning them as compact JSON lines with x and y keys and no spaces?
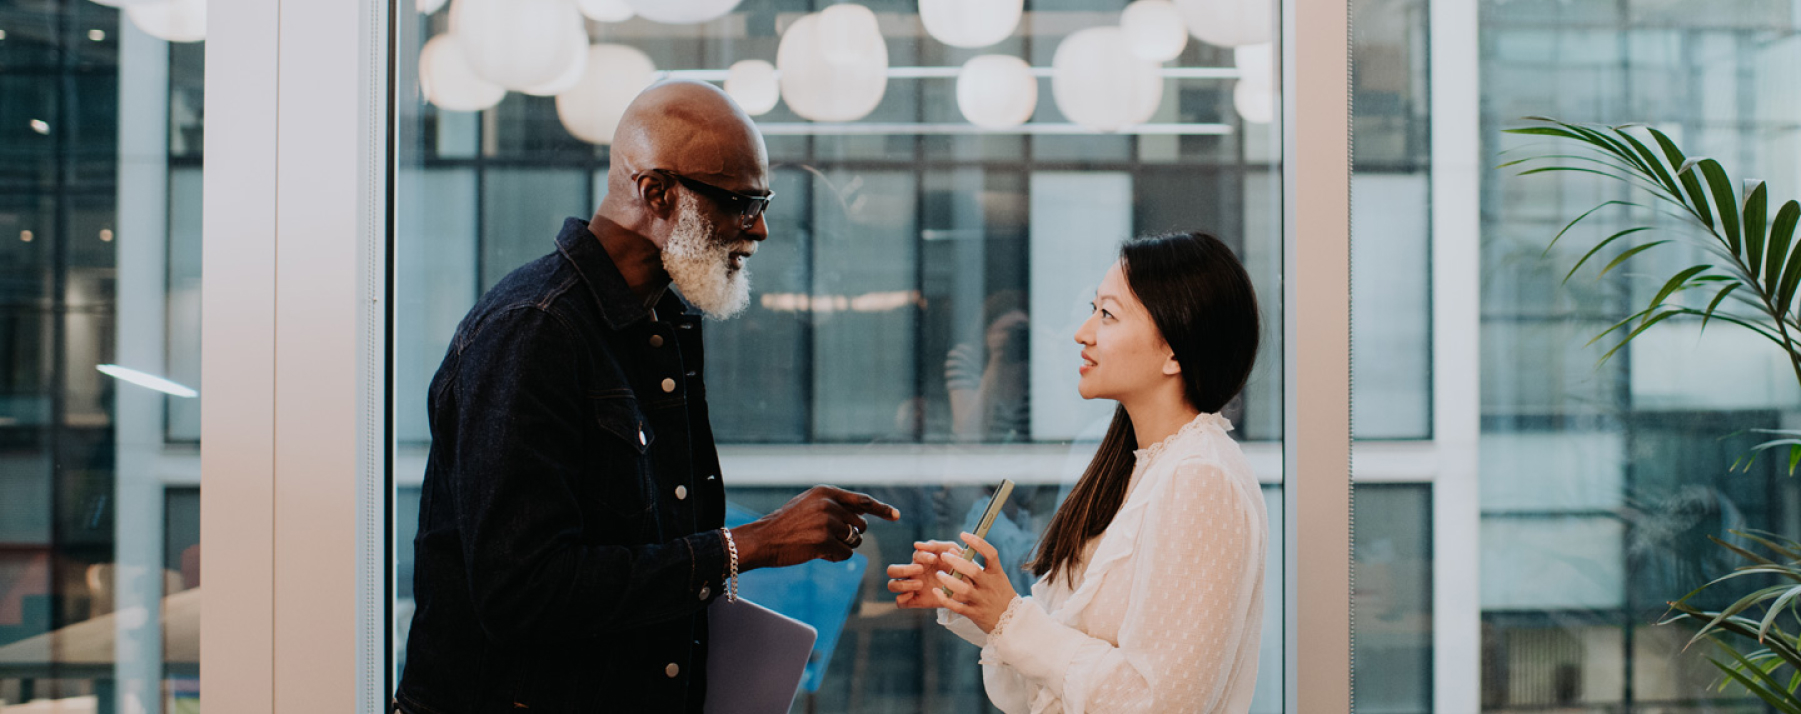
{"x":567,"y":545}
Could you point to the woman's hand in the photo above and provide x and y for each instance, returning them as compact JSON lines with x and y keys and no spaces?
{"x":984,"y":593}
{"x":910,"y":581}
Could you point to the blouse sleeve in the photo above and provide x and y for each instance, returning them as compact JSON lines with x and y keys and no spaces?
{"x":1189,"y":610}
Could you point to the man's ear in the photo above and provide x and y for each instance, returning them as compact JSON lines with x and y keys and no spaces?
{"x":654,"y":193}
{"x":1170,"y":366}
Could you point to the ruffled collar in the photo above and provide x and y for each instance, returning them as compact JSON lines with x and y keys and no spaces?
{"x":1200,"y":422}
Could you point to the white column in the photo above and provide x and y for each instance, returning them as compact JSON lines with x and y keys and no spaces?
{"x":237,"y":352}
{"x":1316,"y":174}
{"x":141,"y":235}
{"x":1456,"y":374}
{"x":293,"y":330}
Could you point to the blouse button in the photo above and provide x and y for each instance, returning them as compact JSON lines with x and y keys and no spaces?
{"x":656,"y":340}
{"x":681,"y":493}
{"x":704,"y":592}
{"x":668,"y":385}
{"x":672,"y":670}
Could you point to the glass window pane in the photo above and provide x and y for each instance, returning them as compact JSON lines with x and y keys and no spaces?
{"x":911,"y":320}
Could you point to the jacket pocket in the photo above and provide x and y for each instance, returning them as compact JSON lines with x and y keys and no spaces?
{"x":625,"y":473}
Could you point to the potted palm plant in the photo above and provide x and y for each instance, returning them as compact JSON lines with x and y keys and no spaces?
{"x":1749,"y":281}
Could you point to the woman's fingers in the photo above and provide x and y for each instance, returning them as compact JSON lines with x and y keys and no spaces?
{"x":906,"y":570}
{"x":958,"y":587}
{"x":949,"y":603}
{"x":990,"y":556}
{"x":968,"y":569}
{"x":904,"y":586}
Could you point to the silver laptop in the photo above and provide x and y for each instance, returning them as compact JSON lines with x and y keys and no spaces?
{"x":755,"y":658}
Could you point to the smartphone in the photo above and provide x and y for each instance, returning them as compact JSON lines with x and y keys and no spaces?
{"x":994,"y":510}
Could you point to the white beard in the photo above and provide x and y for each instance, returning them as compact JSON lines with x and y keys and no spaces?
{"x":700,"y":263}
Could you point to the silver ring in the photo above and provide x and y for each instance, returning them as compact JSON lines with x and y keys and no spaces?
{"x":856,"y":536}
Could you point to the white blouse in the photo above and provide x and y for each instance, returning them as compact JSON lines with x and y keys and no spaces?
{"x":1167,"y":609}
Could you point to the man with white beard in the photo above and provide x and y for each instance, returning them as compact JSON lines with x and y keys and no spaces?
{"x":571,"y":522}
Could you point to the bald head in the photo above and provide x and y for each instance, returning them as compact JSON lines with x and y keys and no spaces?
{"x":691,"y":128}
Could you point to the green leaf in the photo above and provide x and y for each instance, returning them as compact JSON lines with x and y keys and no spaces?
{"x":1716,"y":304}
{"x":1660,"y":317}
{"x":1775,"y":610}
{"x":1783,"y":230}
{"x":1650,"y":159}
{"x":1585,"y":214}
{"x":1756,"y":215}
{"x":1676,"y":281}
{"x":1543,"y":131}
{"x":1697,"y":200}
{"x":1724,"y":201}
{"x":1627,"y":255}
{"x":1598,"y":246}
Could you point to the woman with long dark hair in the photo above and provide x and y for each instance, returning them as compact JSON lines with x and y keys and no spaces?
{"x":1150,"y":590}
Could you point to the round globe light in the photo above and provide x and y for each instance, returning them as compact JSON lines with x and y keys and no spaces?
{"x":753,"y":85}
{"x":843,"y":30}
{"x":592,"y":108}
{"x":1155,"y":29}
{"x":1098,"y":83}
{"x":682,"y":12}
{"x":997,"y":91}
{"x":1229,"y":23}
{"x":427,"y":7}
{"x":970,"y":23}
{"x":578,"y":65}
{"x":1256,"y":64}
{"x":1256,"y":103}
{"x":448,"y":81}
{"x":605,"y":10}
{"x":170,"y":20}
{"x":820,"y":88}
{"x":504,"y":40}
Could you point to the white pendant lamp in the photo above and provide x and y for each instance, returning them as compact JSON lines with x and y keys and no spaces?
{"x":427,"y":7}
{"x":1256,"y":63}
{"x":605,"y":10}
{"x":1229,"y":23}
{"x":843,"y":28}
{"x":1255,"y":95}
{"x":449,"y":83}
{"x":753,"y":85}
{"x":1155,"y":29}
{"x":615,"y":75}
{"x":682,"y":12}
{"x":997,"y":91}
{"x":821,"y":88}
{"x":1098,"y":83}
{"x":970,"y":23}
{"x":171,"y":20}
{"x":1255,"y":103}
{"x":577,"y":38}
{"x":504,"y":40}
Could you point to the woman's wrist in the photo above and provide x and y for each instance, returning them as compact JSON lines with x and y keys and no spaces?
{"x":1006,"y":616}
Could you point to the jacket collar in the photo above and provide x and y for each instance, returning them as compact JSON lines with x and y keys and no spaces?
{"x":619,"y":306}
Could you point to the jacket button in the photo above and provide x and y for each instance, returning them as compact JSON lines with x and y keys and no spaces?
{"x":672,"y":670}
{"x":668,"y":385}
{"x":681,"y":493}
{"x":705,"y":591}
{"x":656,"y":340}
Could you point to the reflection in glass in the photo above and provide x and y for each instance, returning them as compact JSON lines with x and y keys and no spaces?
{"x":910,"y":331}
{"x":99,"y":279}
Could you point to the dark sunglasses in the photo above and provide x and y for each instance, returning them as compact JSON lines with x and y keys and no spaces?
{"x":747,"y":207}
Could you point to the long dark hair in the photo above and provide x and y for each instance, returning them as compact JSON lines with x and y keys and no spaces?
{"x":1202,"y":302}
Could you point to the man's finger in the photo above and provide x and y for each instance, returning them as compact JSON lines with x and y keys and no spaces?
{"x":865,"y":503}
